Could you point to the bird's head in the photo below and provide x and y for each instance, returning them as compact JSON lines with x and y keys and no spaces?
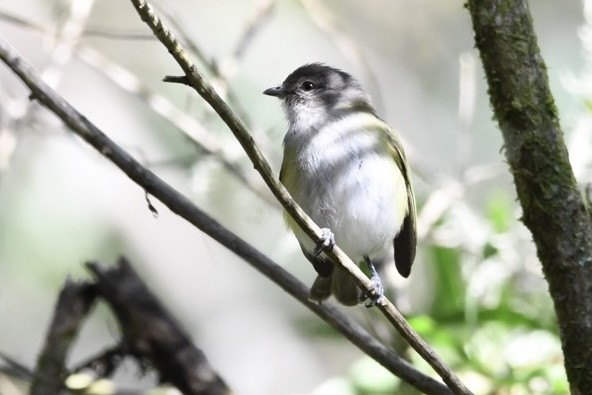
{"x":317,"y":91}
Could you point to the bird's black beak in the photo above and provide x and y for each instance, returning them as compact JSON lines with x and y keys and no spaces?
{"x":276,"y":91}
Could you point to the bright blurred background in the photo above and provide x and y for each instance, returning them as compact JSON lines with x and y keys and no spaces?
{"x":476,"y":294}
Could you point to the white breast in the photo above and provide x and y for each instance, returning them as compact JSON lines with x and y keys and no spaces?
{"x":345,"y":178}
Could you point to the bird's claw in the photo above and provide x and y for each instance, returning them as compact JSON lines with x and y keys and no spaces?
{"x":327,"y":242}
{"x":375,"y":296}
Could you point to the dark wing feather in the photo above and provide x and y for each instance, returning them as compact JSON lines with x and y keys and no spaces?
{"x":406,"y":240}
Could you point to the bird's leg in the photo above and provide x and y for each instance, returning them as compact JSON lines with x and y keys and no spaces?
{"x":375,"y":295}
{"x":327,"y":242}
{"x":322,"y":264}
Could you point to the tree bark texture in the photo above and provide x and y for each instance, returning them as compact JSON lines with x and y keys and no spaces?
{"x":553,"y":208}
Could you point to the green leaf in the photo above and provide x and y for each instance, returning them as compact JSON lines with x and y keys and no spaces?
{"x":371,"y":378}
{"x":499,"y":211}
{"x":450,"y":289}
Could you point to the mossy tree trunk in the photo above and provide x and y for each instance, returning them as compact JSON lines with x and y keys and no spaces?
{"x":553,"y":208}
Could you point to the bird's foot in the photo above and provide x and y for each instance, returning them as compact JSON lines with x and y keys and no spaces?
{"x":327,"y":242}
{"x":375,"y":296}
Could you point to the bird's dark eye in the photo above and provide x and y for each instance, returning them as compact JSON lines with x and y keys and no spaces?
{"x":307,"y":86}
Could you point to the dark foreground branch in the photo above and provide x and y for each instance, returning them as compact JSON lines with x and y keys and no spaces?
{"x":183,"y":207}
{"x":73,"y":304}
{"x":553,"y":208}
{"x":150,"y":333}
{"x":196,"y":80}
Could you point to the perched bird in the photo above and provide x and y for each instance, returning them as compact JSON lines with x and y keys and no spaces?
{"x":347,"y":169}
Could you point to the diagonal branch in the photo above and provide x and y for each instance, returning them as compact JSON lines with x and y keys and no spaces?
{"x":183,"y":207}
{"x":191,"y":128}
{"x":205,"y":90}
{"x":348,"y":47}
{"x":124,"y":79}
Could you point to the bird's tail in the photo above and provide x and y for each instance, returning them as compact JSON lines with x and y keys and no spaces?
{"x":321,"y":289}
{"x":344,"y":287}
{"x":340,"y":284}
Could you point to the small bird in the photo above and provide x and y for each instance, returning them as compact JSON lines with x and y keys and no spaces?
{"x":347,"y":169}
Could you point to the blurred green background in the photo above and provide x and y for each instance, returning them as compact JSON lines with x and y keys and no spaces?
{"x":476,"y":293}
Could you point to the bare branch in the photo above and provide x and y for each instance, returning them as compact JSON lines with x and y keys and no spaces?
{"x":124,"y":79}
{"x":210,"y":64}
{"x":190,"y":127}
{"x":89,"y":32}
{"x":15,"y":20}
{"x":348,"y":46}
{"x":229,"y":65}
{"x":182,"y":206}
{"x":116,"y":35}
{"x":14,"y":368}
{"x":264,"y":9}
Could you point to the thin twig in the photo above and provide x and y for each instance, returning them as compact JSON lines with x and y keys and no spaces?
{"x":205,"y":90}
{"x":345,"y":44}
{"x":16,"y":20}
{"x":189,"y":126}
{"x":229,"y":66}
{"x":182,"y":206}
{"x":210,"y":64}
{"x":15,"y":368}
{"x":105,"y":363}
{"x":264,"y":8}
{"x":129,"y":82}
{"x":89,"y":32}
{"x":71,"y":24}
{"x":116,"y":35}
{"x":64,"y":37}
